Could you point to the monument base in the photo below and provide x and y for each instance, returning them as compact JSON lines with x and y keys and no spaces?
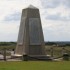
{"x":39,"y":57}
{"x":33,"y":57}
{"x":16,"y":56}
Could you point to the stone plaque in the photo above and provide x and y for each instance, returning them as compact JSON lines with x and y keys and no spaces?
{"x":34,"y":31}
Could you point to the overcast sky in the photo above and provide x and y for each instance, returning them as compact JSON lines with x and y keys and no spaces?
{"x":55,"y":18}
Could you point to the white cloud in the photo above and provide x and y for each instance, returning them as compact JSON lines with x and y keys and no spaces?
{"x":56,"y":22}
{"x":53,"y":30}
{"x":9,"y":31}
{"x":13,"y":17}
{"x":55,"y":3}
{"x":11,"y":6}
{"x":9,"y":23}
{"x":56,"y":31}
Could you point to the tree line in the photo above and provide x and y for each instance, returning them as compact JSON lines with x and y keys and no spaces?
{"x":7,"y":43}
{"x":46,"y":43}
{"x":60,"y":44}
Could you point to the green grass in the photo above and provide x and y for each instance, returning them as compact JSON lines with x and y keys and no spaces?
{"x":35,"y":65}
{"x":7,"y":47}
{"x":57,"y":51}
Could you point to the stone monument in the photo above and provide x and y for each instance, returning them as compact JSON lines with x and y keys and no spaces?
{"x":30,"y":39}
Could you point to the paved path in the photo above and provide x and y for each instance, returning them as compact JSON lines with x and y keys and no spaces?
{"x":1,"y":56}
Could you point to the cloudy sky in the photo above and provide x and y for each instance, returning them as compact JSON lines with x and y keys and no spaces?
{"x":55,"y":18}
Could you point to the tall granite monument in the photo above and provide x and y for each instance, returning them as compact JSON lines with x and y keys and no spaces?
{"x":30,"y":38}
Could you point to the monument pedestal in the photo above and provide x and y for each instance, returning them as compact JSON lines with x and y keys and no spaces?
{"x":40,"y":57}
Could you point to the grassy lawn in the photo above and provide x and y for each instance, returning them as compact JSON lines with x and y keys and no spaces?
{"x":35,"y":65}
{"x":57,"y":51}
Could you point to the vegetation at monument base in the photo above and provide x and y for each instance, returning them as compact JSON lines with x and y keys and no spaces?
{"x":57,"y":47}
{"x":12,"y":45}
{"x":35,"y":65}
{"x":7,"y":45}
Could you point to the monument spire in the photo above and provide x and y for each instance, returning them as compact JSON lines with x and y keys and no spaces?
{"x":30,"y":39}
{"x":32,"y":7}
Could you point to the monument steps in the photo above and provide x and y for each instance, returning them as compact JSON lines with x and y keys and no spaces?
{"x":37,"y":58}
{"x":33,"y":57}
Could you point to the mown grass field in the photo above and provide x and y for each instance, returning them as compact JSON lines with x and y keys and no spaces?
{"x":35,"y":65}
